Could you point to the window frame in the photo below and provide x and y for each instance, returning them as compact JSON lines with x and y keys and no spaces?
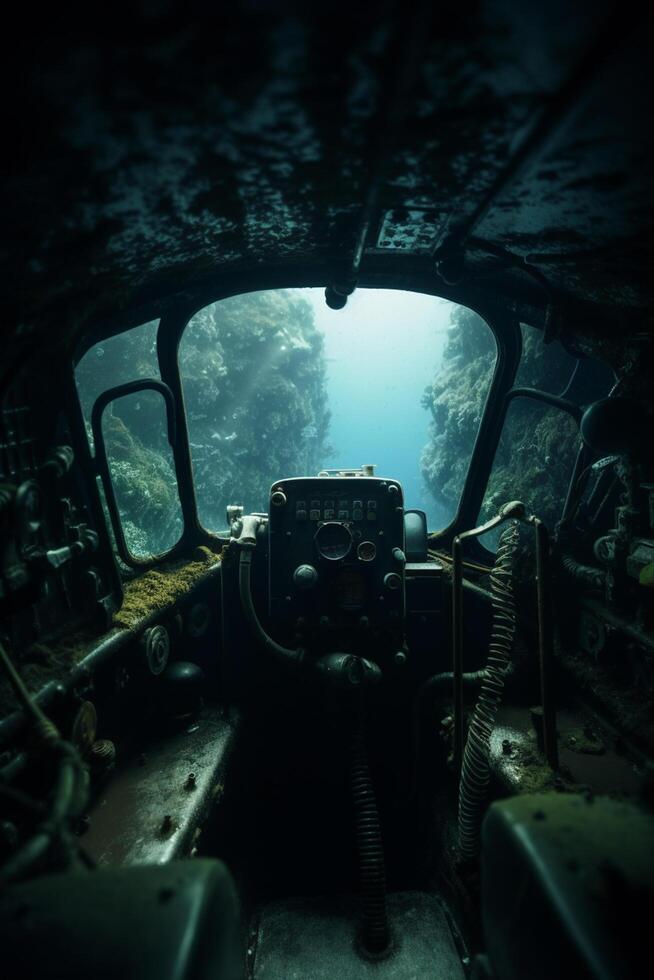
{"x":103,"y":467}
{"x":174,"y":314}
{"x":584,"y":385}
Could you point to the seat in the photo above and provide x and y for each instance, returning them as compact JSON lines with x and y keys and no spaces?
{"x":178,"y":921}
{"x":567,"y":883}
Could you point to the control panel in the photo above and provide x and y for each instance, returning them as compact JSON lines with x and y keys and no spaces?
{"x":336,"y":552}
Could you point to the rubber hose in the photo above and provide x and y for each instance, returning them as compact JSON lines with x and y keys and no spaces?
{"x":594,"y":578}
{"x":429,"y":690}
{"x":54,"y":829}
{"x":475,"y":770}
{"x":245,"y":590}
{"x":471,"y":680}
{"x":375,"y":933}
{"x":35,"y":850}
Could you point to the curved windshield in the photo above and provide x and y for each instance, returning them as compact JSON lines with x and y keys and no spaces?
{"x":278,"y":385}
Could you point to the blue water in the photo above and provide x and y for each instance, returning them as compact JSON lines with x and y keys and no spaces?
{"x":382,"y":351}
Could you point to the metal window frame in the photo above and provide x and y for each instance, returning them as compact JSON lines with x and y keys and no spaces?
{"x":103,"y":470}
{"x":175,"y":312}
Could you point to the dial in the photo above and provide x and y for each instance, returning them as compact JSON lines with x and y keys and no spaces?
{"x":367,"y":551}
{"x":333,"y":541}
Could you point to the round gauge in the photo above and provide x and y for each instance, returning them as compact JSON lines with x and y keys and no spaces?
{"x":366,"y":551}
{"x":333,"y":541}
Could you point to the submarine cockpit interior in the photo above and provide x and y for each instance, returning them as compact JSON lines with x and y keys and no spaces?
{"x":327,"y":493}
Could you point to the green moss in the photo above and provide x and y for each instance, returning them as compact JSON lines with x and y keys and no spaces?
{"x":43,"y":662}
{"x":158,"y":589}
{"x":581,"y":740}
{"x":153,"y":591}
{"x":534,"y":775}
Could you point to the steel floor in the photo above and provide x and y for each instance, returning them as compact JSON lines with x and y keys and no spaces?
{"x":314,"y":939}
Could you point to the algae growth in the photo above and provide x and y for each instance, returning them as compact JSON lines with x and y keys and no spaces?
{"x":43,"y":662}
{"x":159,"y":589}
{"x":152,"y":592}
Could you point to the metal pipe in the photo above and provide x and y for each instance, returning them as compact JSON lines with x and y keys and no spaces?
{"x":575,"y":487}
{"x":102,"y":650}
{"x":631,"y":630}
{"x":564,"y":404}
{"x":457,"y":650}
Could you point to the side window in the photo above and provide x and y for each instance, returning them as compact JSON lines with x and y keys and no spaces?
{"x":141,"y":468}
{"x":533,"y":462}
{"x":539,"y":443}
{"x":128,"y":356}
{"x":547,"y":367}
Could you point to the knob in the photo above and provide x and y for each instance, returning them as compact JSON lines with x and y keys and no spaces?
{"x":399,"y":555}
{"x":278,"y":498}
{"x":305,"y":577}
{"x":392,"y":581}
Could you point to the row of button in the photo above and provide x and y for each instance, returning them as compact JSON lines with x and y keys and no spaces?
{"x":332,"y":515}
{"x":331,"y":505}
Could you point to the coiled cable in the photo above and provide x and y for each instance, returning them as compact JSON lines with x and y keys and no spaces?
{"x":69,"y":796}
{"x":475,"y":770}
{"x":593,"y":578}
{"x":375,"y":933}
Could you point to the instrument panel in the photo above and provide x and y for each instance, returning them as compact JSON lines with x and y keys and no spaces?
{"x":336,"y":552}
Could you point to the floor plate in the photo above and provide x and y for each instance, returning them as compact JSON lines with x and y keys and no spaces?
{"x":315,"y":939}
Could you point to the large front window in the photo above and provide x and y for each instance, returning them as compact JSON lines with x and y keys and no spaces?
{"x":278,"y":385}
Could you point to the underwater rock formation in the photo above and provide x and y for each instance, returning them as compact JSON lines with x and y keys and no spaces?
{"x":145,"y":487}
{"x":536,"y":453}
{"x":253,"y":371}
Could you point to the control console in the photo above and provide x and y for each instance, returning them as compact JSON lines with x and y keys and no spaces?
{"x":336,"y":552}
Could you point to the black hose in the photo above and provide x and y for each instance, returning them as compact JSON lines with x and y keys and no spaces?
{"x":245,"y":590}
{"x":428,"y":692}
{"x":52,"y":835}
{"x":375,"y":933}
{"x":475,"y":770}
{"x":45,"y":731}
{"x":471,"y":680}
{"x":594,"y":578}
{"x":69,"y":795}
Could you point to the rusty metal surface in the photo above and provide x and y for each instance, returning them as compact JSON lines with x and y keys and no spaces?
{"x":592,"y":757}
{"x":150,"y":810}
{"x":165,"y":151}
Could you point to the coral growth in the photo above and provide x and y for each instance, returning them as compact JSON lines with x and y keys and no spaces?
{"x":253,"y":370}
{"x":537,"y":449}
